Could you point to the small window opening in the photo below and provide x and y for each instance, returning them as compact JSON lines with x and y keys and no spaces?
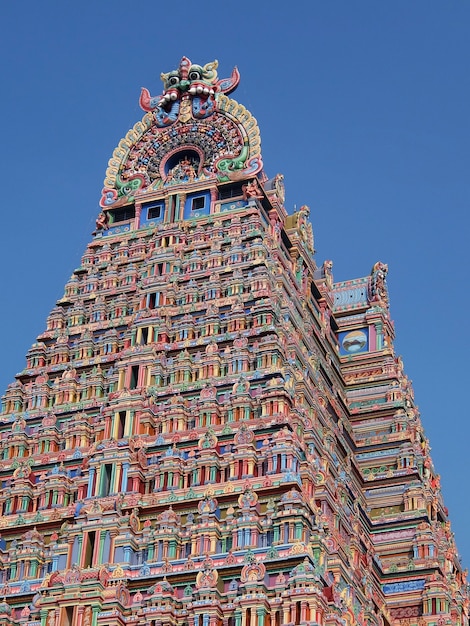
{"x":134,"y":377}
{"x":67,"y":616}
{"x":121,"y":424}
{"x":106,"y":479}
{"x":145,"y":335}
{"x":89,"y":549}
{"x":198,"y":203}
{"x":154,"y":212}
{"x":122,"y":214}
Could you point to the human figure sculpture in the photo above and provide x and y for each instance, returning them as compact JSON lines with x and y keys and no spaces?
{"x":251,"y":190}
{"x":102,"y":221}
{"x":188,"y":169}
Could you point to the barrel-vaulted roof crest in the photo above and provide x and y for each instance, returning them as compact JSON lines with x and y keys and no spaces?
{"x":191,"y":132}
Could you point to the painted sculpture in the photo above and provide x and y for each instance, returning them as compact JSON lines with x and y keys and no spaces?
{"x":210,"y":431}
{"x":222,"y":137}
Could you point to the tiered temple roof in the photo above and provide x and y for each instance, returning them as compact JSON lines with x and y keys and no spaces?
{"x":210,"y":431}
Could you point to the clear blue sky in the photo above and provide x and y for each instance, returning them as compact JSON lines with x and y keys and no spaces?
{"x":363,"y":106}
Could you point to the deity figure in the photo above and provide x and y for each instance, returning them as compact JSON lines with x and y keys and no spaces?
{"x":251,"y":190}
{"x":188,"y":168}
{"x":102,"y":221}
{"x":378,"y":283}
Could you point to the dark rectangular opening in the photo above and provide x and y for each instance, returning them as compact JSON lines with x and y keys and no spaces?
{"x":89,"y":549}
{"x":67,"y":616}
{"x":154,"y":212}
{"x":123,"y":214}
{"x":134,"y":377}
{"x":145,"y":335}
{"x":198,"y":203}
{"x":230,"y":191}
{"x":121,"y":424}
{"x":106,"y":479}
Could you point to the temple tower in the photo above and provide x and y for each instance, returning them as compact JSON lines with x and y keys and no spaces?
{"x":210,"y":431}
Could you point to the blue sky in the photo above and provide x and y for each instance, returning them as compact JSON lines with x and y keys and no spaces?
{"x":362,"y":105}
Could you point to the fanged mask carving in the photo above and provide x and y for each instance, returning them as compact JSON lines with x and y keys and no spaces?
{"x":190,"y":81}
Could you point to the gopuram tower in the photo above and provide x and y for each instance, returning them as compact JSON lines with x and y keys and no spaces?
{"x":210,"y":431}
